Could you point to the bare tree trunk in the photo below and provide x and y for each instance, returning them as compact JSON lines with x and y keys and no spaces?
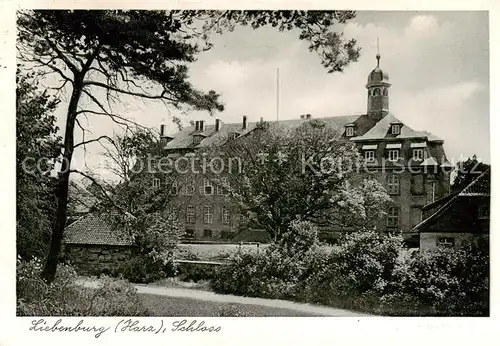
{"x":49,"y":271}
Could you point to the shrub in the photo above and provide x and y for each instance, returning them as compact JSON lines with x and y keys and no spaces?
{"x":66,"y":297}
{"x":145,"y":269}
{"x":195,"y":272}
{"x":442,"y":282}
{"x":272,"y":273}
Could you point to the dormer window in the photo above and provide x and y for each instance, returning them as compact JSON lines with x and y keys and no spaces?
{"x":197,"y":139}
{"x":418,"y":154}
{"x":349,"y":131}
{"x":233,"y":135}
{"x":395,"y":129}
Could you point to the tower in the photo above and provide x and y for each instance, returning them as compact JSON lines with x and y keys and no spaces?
{"x":378,"y":92}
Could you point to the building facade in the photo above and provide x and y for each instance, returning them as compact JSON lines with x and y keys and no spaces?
{"x":459,"y":219}
{"x":411,"y":164}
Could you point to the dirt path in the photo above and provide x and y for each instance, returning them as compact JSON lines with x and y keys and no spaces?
{"x":225,"y":298}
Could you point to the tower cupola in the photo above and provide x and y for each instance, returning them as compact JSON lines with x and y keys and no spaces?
{"x":378,"y":92}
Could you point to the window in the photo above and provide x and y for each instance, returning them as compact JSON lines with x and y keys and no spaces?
{"x":219,"y":187}
{"x":207,"y":233}
{"x":208,"y":188}
{"x":376,"y":92}
{"x":189,"y":233}
{"x":208,"y":214}
{"x":225,"y":216}
{"x":393,"y":217}
{"x":484,"y":211}
{"x":394,"y":155}
{"x":417,"y":184}
{"x":370,"y":156}
{"x":156,"y":182}
{"x":173,"y":189}
{"x":418,"y":154}
{"x":416,"y":216}
{"x":225,"y":185}
{"x":190,"y":216}
{"x":232,"y":135}
{"x":189,"y":186}
{"x":395,"y":129}
{"x":445,"y":241}
{"x":386,"y":92}
{"x":349,"y":131}
{"x":393,"y":184}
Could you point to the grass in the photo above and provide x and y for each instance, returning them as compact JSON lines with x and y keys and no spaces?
{"x":163,"y":306}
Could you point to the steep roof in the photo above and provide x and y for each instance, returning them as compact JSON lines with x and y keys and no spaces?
{"x":479,"y":187}
{"x":183,"y":139}
{"x":93,"y":229}
{"x":381,"y":130}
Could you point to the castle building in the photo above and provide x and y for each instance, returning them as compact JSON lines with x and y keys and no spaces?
{"x":411,"y":164}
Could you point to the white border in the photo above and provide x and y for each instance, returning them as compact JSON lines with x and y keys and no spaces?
{"x":316,"y":331}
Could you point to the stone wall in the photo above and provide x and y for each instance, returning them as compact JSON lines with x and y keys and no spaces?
{"x":429,"y":241}
{"x":97,"y":259}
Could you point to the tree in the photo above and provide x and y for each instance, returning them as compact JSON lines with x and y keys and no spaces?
{"x":467,"y":172}
{"x":306,"y":173}
{"x":37,"y":148}
{"x":145,"y":54}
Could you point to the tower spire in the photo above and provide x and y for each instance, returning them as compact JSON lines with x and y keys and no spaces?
{"x":378,"y":53}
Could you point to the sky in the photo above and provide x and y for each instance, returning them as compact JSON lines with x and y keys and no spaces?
{"x":438,"y":65}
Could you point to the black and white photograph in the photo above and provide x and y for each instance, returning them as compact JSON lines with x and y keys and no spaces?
{"x":200,"y":163}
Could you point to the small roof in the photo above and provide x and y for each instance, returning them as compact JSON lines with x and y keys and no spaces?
{"x":381,"y":130}
{"x":430,"y":161}
{"x":93,"y":229}
{"x":479,"y":187}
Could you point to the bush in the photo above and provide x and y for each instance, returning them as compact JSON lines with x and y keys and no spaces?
{"x":272,"y":273}
{"x":196,"y":271}
{"x":442,"y":282}
{"x":66,"y":297}
{"x":145,"y":269}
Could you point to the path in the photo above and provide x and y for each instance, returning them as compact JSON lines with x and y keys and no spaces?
{"x":227,"y":298}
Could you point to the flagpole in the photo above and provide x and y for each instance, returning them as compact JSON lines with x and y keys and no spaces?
{"x":277,"y":94}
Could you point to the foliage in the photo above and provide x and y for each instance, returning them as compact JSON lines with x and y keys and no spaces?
{"x":156,"y":237}
{"x":36,"y":143}
{"x":145,"y":54}
{"x":367,"y":272}
{"x":196,"y":272}
{"x":144,"y":269}
{"x":271,"y":273}
{"x":467,"y":172}
{"x":321,"y":168}
{"x":443,"y":281}
{"x":65,"y":297}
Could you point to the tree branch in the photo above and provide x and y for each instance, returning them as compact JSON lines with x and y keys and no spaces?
{"x":94,"y":140}
{"x":124,"y":212}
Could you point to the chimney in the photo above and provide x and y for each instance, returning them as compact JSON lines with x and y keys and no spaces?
{"x":202,"y":125}
{"x":217,"y":124}
{"x":197,"y":126}
{"x":162,"y":130}
{"x":261,"y":120}
{"x":244,"y":122}
{"x":308,"y":116}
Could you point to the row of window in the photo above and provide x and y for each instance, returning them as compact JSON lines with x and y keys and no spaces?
{"x":393,"y":217}
{"x":208,"y":188}
{"x":378,"y":92}
{"x":394,"y":130}
{"x":208,"y":214}
{"x":393,"y":155}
